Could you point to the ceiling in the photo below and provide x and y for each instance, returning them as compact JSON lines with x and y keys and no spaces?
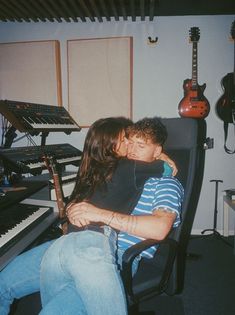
{"x":107,"y":10}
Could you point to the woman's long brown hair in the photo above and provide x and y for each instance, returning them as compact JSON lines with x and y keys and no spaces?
{"x":99,"y":159}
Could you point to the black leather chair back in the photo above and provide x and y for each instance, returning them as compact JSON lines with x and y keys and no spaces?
{"x":165,"y":273}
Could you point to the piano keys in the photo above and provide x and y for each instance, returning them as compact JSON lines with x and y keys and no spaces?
{"x":20,"y":225}
{"x":35,"y":118}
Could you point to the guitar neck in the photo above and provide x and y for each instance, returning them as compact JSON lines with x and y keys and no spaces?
{"x":234,"y":64}
{"x":59,"y":195}
{"x":194,"y":65}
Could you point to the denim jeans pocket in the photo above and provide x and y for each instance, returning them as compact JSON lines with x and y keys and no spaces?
{"x":95,"y":246}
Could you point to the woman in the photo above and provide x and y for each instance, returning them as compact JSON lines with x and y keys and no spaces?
{"x":106,"y":177}
{"x":107,"y":180}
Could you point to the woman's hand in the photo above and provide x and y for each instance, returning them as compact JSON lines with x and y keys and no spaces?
{"x":164,"y":157}
{"x":82,"y":213}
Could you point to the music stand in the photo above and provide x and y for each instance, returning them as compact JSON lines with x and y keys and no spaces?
{"x":214,"y":231}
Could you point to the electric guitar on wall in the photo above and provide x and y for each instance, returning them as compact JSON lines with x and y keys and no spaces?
{"x":225,"y":106}
{"x":194,"y":104}
{"x":50,"y":163}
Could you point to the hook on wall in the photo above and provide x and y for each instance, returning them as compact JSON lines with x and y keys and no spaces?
{"x":152,"y":41}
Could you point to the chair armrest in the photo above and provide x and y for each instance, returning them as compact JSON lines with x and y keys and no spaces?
{"x":132,"y":252}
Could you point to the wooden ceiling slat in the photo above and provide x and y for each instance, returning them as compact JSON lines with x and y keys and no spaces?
{"x":133,"y":16}
{"x":65,"y":11}
{"x":56,"y":12}
{"x":43,"y":7}
{"x":86,"y":10}
{"x":105,"y":10}
{"x":123,"y":10}
{"x":7,"y":15}
{"x":51,"y":12}
{"x":151,"y":10}
{"x":142,"y":11}
{"x":77,"y":10}
{"x":95,"y":9}
{"x":15,"y":7}
{"x":114,"y":10}
{"x":33,"y":4}
{"x":68,"y":10}
{"x":10,"y":10}
{"x":98,"y":10}
{"x":31,"y":13}
{"x":24,"y":11}
{"x":3,"y":18}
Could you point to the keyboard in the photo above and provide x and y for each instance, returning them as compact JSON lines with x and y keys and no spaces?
{"x":20,"y":225}
{"x":34,"y":118}
{"x":29,"y":159}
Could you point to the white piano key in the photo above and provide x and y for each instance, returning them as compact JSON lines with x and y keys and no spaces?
{"x":49,"y":126}
{"x":60,"y":161}
{"x":69,"y":159}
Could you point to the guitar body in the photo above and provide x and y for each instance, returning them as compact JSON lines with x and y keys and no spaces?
{"x":194,"y":104}
{"x":225,"y":106}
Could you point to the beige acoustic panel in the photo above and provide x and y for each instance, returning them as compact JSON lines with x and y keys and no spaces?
{"x":30,"y":72}
{"x":99,"y":78}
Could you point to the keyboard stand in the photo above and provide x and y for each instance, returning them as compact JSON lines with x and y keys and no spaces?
{"x":44,"y":135}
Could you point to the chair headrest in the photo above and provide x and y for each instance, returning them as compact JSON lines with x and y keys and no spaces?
{"x":182,"y":133}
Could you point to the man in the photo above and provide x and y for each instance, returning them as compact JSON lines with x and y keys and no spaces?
{"x":164,"y":214}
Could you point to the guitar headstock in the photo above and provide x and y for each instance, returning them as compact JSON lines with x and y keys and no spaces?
{"x":194,"y":34}
{"x":233,"y":30}
{"x":50,"y":163}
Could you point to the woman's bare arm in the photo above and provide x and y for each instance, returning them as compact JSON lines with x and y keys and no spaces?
{"x":155,"y":226}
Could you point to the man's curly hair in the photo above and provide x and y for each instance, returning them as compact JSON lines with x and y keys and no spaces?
{"x":149,"y":129}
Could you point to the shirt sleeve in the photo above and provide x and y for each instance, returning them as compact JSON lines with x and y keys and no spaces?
{"x":169,"y":196}
{"x":167,"y":170}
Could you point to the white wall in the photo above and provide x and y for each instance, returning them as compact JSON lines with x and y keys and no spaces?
{"x":159,"y":72}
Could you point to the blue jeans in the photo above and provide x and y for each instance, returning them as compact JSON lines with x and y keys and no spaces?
{"x":22,"y":277}
{"x":85,"y":261}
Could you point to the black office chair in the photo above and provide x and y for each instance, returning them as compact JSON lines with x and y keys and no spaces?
{"x":165,"y":272}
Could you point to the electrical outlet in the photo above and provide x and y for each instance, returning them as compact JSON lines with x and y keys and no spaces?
{"x":209,"y":143}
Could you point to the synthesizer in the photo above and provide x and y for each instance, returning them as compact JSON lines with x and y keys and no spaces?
{"x":30,"y":159}
{"x":20,"y":225}
{"x":35,"y":118}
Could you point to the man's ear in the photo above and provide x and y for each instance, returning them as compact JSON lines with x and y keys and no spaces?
{"x":157,"y":151}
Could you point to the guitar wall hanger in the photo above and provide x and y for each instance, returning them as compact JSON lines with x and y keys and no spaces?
{"x":152,"y":41}
{"x":209,"y":143}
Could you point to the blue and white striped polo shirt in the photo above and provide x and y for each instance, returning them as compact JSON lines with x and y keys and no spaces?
{"x":158,"y":193}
